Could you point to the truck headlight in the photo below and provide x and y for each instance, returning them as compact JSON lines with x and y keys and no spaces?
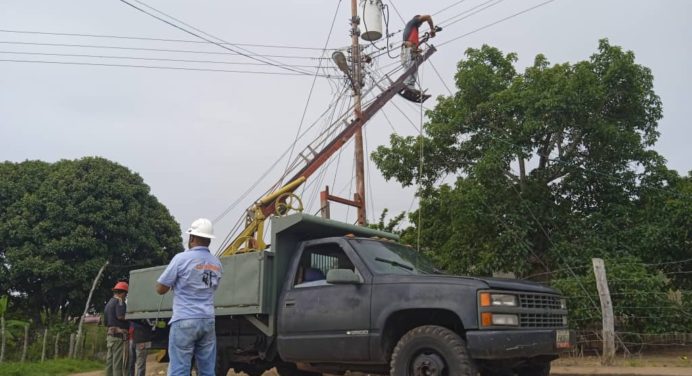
{"x":497,"y":300}
{"x":511,"y":320}
{"x":499,"y":319}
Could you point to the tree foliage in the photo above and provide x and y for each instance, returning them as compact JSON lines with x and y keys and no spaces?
{"x":60,"y":222}
{"x":536,"y":171}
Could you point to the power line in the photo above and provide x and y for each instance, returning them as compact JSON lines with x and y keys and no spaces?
{"x":153,"y":67}
{"x":470,"y":10}
{"x":203,"y":38}
{"x":440,"y":77}
{"x":497,"y":22}
{"x":30,"y":32}
{"x":448,"y":7}
{"x":312,"y":87}
{"x":152,"y":49}
{"x":143,"y":58}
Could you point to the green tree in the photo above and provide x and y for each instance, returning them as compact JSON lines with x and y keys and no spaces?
{"x":60,"y":222}
{"x":548,"y":162}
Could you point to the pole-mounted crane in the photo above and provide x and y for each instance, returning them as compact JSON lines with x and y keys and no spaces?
{"x":283,"y":200}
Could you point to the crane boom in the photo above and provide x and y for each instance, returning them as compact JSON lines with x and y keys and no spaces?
{"x":266,"y":206}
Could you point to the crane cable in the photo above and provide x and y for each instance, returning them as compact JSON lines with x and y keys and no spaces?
{"x":420,"y":160}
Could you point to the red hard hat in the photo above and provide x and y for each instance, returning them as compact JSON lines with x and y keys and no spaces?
{"x":120,"y":286}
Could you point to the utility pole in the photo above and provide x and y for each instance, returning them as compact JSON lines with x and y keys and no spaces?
{"x":356,"y":69}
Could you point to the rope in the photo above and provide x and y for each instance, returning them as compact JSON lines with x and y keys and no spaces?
{"x":420,"y":159}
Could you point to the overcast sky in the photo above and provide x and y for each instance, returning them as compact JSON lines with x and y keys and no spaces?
{"x":200,"y":139}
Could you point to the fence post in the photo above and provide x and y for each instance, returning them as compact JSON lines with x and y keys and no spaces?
{"x":78,"y":344}
{"x":70,"y":352}
{"x":57,"y":341}
{"x":26,"y":342}
{"x":2,"y":334}
{"x":606,"y":312}
{"x":43,"y":347}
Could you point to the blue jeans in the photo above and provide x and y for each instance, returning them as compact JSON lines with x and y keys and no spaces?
{"x":192,"y":337}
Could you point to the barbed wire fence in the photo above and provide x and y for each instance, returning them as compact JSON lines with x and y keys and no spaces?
{"x":27,"y":343}
{"x":651,"y":305}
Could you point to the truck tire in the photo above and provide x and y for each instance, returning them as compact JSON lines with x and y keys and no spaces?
{"x":431,"y":350}
{"x":535,"y":369}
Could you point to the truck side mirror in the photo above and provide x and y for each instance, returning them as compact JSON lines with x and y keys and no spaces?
{"x":342,"y":277}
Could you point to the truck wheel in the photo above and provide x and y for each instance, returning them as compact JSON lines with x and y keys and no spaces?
{"x":535,"y":369}
{"x":431,"y":350}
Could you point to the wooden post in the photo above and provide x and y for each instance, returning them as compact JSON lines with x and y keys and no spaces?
{"x":43,"y":347}
{"x":2,"y":334}
{"x":86,"y":309}
{"x":324,"y":203}
{"x":26,"y":342}
{"x":57,"y":348}
{"x":70,"y":352}
{"x":606,"y":312}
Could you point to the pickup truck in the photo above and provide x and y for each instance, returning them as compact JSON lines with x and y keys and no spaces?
{"x":332,"y":297}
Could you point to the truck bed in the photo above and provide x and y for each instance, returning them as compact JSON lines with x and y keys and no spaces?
{"x":244,"y":288}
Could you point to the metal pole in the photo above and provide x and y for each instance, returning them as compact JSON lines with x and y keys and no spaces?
{"x":356,"y":71}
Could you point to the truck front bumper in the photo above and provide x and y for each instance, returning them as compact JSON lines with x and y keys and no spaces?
{"x":513,"y":344}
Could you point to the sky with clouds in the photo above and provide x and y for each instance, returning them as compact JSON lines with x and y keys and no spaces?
{"x":203,"y":133}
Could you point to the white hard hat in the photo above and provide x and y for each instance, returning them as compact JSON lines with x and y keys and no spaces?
{"x":202,"y":227}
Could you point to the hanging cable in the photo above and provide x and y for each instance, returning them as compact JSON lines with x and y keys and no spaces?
{"x":312,"y":87}
{"x":200,"y":31}
{"x":469,"y":12}
{"x":150,"y":67}
{"x":278,"y":160}
{"x":448,"y":7}
{"x":224,"y":45}
{"x":420,"y":159}
{"x":30,"y":32}
{"x":146,"y":58}
{"x":153,"y":49}
{"x":440,"y":77}
{"x":497,"y":22}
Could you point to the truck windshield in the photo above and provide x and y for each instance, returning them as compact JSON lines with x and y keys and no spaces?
{"x":392,"y":258}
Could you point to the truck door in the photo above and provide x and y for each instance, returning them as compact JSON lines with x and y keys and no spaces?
{"x":320,"y":321}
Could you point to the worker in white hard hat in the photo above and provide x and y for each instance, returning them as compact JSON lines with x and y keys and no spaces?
{"x":193,"y":276}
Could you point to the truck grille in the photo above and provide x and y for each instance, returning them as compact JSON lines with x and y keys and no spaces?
{"x":539,"y":301}
{"x":541,"y":320}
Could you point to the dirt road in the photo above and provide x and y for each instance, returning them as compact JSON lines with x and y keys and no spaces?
{"x":674,"y":363}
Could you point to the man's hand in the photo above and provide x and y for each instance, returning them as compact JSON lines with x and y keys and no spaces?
{"x":161,"y":289}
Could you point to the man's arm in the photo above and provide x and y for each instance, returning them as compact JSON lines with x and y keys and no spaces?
{"x":162,"y":289}
{"x":168,"y":277}
{"x":120,"y":310}
{"x":427,"y":18}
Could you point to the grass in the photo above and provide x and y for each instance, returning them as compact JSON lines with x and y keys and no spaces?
{"x":49,"y":367}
